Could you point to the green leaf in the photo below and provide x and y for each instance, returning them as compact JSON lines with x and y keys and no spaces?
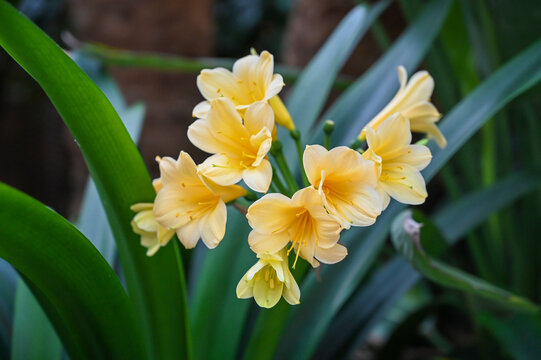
{"x":366,"y":308}
{"x":517,"y":335}
{"x":83,"y":296}
{"x":340,"y":279}
{"x":471,"y":210}
{"x":382,"y":293}
{"x":156,"y":284}
{"x":512,"y":79}
{"x":92,"y":221}
{"x":8,"y":278}
{"x":217,"y":316}
{"x":405,"y":237}
{"x":321,"y":301}
{"x":33,"y":335}
{"x":42,"y":341}
{"x":372,"y":91}
{"x":314,"y":84}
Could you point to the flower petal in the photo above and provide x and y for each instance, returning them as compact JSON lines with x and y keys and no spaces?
{"x":258,"y":116}
{"x":404,"y":183}
{"x":312,"y":161}
{"x":213,"y":226}
{"x":221,"y":82}
{"x":201,"y":135}
{"x":331,"y":255}
{"x":271,"y":214}
{"x":291,"y":293}
{"x":265,"y":295}
{"x":221,"y":169}
{"x":190,"y":233}
{"x":392,"y":138}
{"x":201,"y":110}
{"x":272,"y":243}
{"x":245,"y":288}
{"x":258,"y":178}
{"x":418,"y":156}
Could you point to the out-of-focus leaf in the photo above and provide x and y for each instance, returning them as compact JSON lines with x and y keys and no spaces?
{"x":311,"y":90}
{"x":321,"y":301}
{"x":517,"y":335}
{"x":34,"y":337}
{"x":512,"y":79}
{"x":476,"y":206}
{"x":407,"y":242}
{"x":217,"y":317}
{"x":363,"y":311}
{"x":90,"y":309}
{"x":156,"y":284}
{"x":471,"y":210}
{"x":305,"y":104}
{"x":8,"y":278}
{"x":372,"y":91}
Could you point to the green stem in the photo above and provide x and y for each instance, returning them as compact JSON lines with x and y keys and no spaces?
{"x":278,"y":183}
{"x":328,"y":128}
{"x":276,"y":152}
{"x":296,"y":135}
{"x":357,"y":144}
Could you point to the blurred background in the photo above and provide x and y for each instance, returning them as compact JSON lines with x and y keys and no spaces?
{"x":39,"y":156}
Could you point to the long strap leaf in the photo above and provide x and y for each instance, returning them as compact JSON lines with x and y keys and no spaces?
{"x":115,"y":165}
{"x":88,"y":300}
{"x":354,"y":322}
{"x":306,"y":324}
{"x":340,"y":279}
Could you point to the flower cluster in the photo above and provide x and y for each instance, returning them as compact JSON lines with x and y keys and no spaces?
{"x":346,"y":186}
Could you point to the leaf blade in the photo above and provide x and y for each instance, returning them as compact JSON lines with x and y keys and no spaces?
{"x":120,"y":176}
{"x":82,"y":289}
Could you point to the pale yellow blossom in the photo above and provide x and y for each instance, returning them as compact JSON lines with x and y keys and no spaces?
{"x":399,"y":162}
{"x":303,"y":220}
{"x":413,"y":101}
{"x":346,"y":182}
{"x":240,"y":145}
{"x":192,"y":205}
{"x":268,"y":280}
{"x":153,"y":235}
{"x":252,"y":80}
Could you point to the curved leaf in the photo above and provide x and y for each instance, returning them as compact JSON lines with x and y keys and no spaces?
{"x":407,"y":242}
{"x":322,"y":301}
{"x":462,"y":215}
{"x":372,"y":91}
{"x":33,"y":335}
{"x":217,"y":316}
{"x":8,"y":280}
{"x":88,"y":300}
{"x":314,"y":84}
{"x":156,"y":285}
{"x":340,"y":279}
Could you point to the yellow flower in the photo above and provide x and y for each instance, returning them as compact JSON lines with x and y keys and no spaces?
{"x":268,"y":280}
{"x":314,"y":233}
{"x":153,"y":235}
{"x":346,"y":182}
{"x":192,"y":205}
{"x":252,"y":80}
{"x":413,"y":101}
{"x":240,"y":146}
{"x":281,"y":115}
{"x":399,"y":163}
